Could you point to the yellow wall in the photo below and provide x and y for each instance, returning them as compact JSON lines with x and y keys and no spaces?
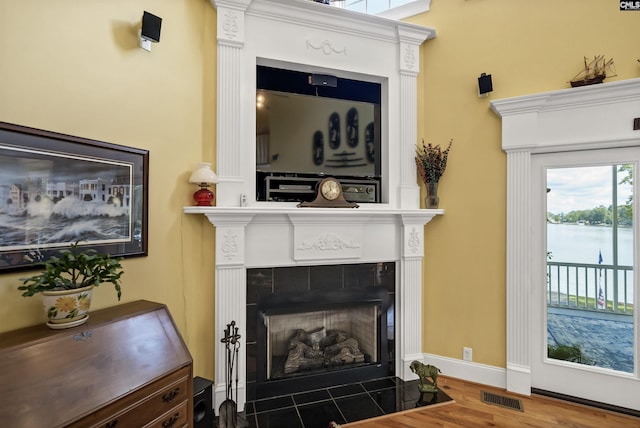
{"x":73,"y":66}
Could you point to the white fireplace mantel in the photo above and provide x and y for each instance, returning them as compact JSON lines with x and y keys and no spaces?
{"x":282,"y":236}
{"x":274,"y":237}
{"x":303,"y":35}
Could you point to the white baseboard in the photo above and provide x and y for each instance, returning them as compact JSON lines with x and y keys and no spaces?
{"x":470,"y":371}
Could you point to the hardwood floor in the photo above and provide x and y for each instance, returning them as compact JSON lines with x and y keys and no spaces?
{"x":469,"y":411}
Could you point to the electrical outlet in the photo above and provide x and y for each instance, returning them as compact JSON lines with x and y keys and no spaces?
{"x":467,"y":354}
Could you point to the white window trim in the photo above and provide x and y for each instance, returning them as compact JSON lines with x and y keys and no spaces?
{"x":407,"y":10}
{"x":400,"y":12}
{"x":590,"y":117}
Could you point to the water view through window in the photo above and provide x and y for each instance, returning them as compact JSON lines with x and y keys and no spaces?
{"x":590,"y":284}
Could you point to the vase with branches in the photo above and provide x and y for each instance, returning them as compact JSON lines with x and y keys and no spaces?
{"x":431,"y":162}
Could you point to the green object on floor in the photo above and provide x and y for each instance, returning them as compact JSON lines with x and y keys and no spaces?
{"x":426,"y":372}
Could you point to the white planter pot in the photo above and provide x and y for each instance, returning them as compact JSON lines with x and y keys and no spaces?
{"x":67,"y":308}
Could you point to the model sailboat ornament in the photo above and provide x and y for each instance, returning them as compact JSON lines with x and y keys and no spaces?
{"x":594,"y":72}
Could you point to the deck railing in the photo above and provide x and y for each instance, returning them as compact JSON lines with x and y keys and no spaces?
{"x":596,"y":287}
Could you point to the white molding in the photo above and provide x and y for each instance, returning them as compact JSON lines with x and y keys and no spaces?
{"x":570,"y":99}
{"x":518,"y":266}
{"x":595,"y":117}
{"x":468,"y":370}
{"x":570,"y":119}
{"x":336,"y":20}
{"x":519,"y":379}
{"x":229,"y":289}
{"x":407,"y":10}
{"x":242,"y":215}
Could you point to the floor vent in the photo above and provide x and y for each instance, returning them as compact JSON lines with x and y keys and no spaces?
{"x":502,"y":401}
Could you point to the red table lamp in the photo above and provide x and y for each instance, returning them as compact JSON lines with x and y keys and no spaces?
{"x":203,"y":176}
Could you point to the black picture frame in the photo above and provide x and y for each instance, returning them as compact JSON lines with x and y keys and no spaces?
{"x":58,"y":189}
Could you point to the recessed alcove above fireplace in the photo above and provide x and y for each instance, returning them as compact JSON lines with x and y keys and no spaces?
{"x":304,"y":35}
{"x":310,"y":125}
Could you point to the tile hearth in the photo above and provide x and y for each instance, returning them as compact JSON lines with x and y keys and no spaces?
{"x":342,"y":404}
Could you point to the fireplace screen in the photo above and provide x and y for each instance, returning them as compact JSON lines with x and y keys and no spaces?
{"x":325,"y":340}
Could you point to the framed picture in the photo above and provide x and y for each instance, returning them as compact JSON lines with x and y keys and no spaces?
{"x":58,"y":189}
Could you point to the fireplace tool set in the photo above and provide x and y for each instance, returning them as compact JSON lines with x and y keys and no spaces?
{"x":228,"y":415}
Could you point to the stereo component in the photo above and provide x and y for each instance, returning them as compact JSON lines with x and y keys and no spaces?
{"x":360,"y":192}
{"x":297,"y":188}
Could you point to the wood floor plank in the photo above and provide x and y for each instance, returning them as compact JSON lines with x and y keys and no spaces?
{"x":468,"y":411}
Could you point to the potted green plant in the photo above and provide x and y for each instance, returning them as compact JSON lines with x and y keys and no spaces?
{"x":431,"y":162}
{"x":67,"y":281}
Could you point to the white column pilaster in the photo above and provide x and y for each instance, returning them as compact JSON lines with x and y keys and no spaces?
{"x":409,"y":65}
{"x":518,"y":271}
{"x":229,"y":117}
{"x":409,"y":295}
{"x":230,"y":288}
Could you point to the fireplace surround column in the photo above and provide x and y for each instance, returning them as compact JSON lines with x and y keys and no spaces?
{"x":409,"y":333}
{"x":230,"y":127}
{"x":409,"y":65}
{"x":231,"y":280}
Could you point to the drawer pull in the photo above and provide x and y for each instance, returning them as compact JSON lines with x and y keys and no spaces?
{"x":171,"y":395}
{"x":171,"y":421}
{"x":111,"y":424}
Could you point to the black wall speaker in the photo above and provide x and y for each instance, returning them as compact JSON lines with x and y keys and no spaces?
{"x":484,"y":84}
{"x":323,"y":80}
{"x":151,"y":27}
{"x":203,"y":416}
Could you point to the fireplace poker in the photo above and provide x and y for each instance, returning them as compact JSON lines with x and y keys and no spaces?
{"x":231,"y":340}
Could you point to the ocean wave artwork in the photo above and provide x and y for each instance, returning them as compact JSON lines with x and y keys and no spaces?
{"x":49,"y":200}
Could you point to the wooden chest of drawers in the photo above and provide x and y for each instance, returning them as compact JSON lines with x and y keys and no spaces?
{"x":126,"y":367}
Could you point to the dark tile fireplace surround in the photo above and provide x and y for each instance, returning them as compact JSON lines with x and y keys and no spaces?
{"x":329,"y":285}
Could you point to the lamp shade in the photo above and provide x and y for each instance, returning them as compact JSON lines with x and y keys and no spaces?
{"x":203,"y":174}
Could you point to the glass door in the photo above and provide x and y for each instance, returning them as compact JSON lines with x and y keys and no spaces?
{"x":585,"y":291}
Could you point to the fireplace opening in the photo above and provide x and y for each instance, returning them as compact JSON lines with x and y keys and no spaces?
{"x":321,"y":341}
{"x":320,"y":338}
{"x":349,"y":310}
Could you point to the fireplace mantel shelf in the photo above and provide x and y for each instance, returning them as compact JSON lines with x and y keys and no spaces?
{"x":357,"y":213}
{"x":296,"y":210}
